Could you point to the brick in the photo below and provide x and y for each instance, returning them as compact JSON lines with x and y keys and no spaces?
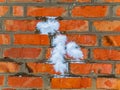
{"x":90,"y":11}
{"x":111,"y":1}
{"x":25,"y":0}
{"x":4,"y":39}
{"x":1,"y":80}
{"x":67,"y":83}
{"x":107,"y":25}
{"x":8,"y":67}
{"x":106,"y":54}
{"x":71,"y":1}
{"x":45,"y":11}
{"x":77,"y":68}
{"x":8,"y":89}
{"x":111,"y":40}
{"x":25,"y":82}
{"x":117,"y":68}
{"x":15,"y":25}
{"x":31,"y":39}
{"x":2,"y":0}
{"x":18,"y":11}
{"x":86,"y":40}
{"x":41,"y":68}
{"x":117,"y":10}
{"x":106,"y":83}
{"x":22,"y":53}
{"x":3,"y":10}
{"x":85,"y":53}
{"x":73,"y":25}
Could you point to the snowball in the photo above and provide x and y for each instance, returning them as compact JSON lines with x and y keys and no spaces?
{"x":73,"y":50}
{"x":49,"y":26}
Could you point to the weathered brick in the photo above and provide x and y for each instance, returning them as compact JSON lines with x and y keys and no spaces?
{"x":4,"y":39}
{"x":73,"y":25}
{"x":77,"y":68}
{"x":8,"y":89}
{"x":106,"y":54}
{"x":45,"y":11}
{"x":111,"y":40}
{"x":107,"y":25}
{"x":18,"y":10}
{"x":85,"y":53}
{"x":20,"y":25}
{"x":41,"y":68}
{"x":90,"y":11}
{"x":117,"y":68}
{"x":1,"y":80}
{"x":8,"y":67}
{"x":111,"y":1}
{"x":67,"y":83}
{"x":25,"y":0}
{"x":25,"y":82}
{"x":106,"y":83}
{"x":71,"y":0}
{"x":3,"y":10}
{"x":23,"y":53}
{"x":2,"y":0}
{"x":86,"y":40}
{"x":31,"y":39}
{"x":117,"y":10}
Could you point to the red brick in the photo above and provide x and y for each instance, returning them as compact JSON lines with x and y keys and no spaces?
{"x":73,"y":25}
{"x":25,"y":0}
{"x":23,"y":53}
{"x":2,"y":0}
{"x":18,"y":11}
{"x":3,"y":10}
{"x":106,"y":54}
{"x":111,"y":1}
{"x":45,"y":11}
{"x":1,"y":80}
{"x":8,"y":67}
{"x":117,"y":69}
{"x":111,"y":40}
{"x":90,"y":11}
{"x":25,"y":82}
{"x":4,"y":39}
{"x":117,"y":10}
{"x":31,"y":39}
{"x":77,"y":68}
{"x":71,"y":1}
{"x":8,"y":89}
{"x":41,"y":68}
{"x":67,"y":83}
{"x":15,"y":25}
{"x":85,"y":53}
{"x":106,"y":83}
{"x":107,"y":25}
{"x":86,"y":40}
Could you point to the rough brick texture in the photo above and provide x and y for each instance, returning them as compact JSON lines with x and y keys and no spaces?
{"x":24,"y":54}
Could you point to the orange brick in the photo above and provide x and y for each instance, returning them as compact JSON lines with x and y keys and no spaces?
{"x":86,"y":40}
{"x":90,"y":11}
{"x":2,"y":0}
{"x":45,"y":11}
{"x":71,"y":1}
{"x":31,"y":39}
{"x":41,"y":68}
{"x":77,"y":68}
{"x":117,"y":10}
{"x":3,"y":10}
{"x":106,"y":54}
{"x":23,"y":53}
{"x":67,"y":83}
{"x":117,"y":69}
{"x":107,"y":25}
{"x":1,"y":80}
{"x":25,"y":0}
{"x":73,"y":25}
{"x":15,"y":25}
{"x":111,"y":40}
{"x":85,"y":53}
{"x":8,"y":67}
{"x":25,"y":82}
{"x":18,"y":11}
{"x":112,"y":1}
{"x":8,"y":89}
{"x":4,"y":39}
{"x":106,"y":83}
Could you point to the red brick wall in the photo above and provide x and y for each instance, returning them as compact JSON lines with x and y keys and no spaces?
{"x":93,"y":24}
